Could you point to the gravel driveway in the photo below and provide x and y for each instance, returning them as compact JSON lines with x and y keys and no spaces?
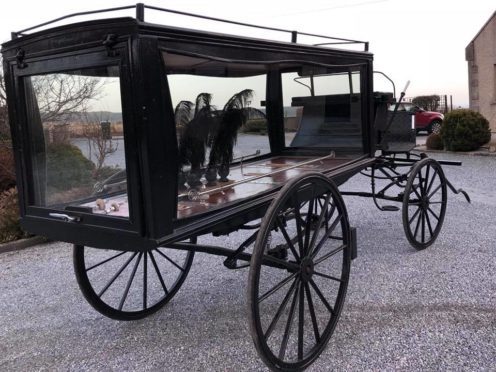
{"x":405,"y":310}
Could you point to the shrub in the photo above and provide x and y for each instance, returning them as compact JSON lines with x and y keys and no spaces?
{"x":464,"y":130}
{"x":67,"y":167}
{"x":255,"y":126}
{"x":10,"y":229}
{"x":434,"y":142}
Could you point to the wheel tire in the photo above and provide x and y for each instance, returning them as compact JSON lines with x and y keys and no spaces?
{"x":424,"y":203}
{"x":435,"y":126}
{"x":130,"y":285}
{"x":318,"y":263}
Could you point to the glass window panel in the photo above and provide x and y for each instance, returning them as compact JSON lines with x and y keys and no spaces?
{"x":77,"y":140}
{"x":322,"y":109}
{"x":220,"y":123}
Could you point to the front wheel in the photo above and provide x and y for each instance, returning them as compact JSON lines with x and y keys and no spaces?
{"x":130,"y":285}
{"x":294,"y":302}
{"x":424,"y":203}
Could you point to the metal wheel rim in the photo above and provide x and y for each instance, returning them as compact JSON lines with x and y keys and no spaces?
{"x":436,"y":127}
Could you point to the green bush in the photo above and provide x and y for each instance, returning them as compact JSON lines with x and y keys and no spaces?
{"x":10,"y":229}
{"x":255,"y":126}
{"x":464,"y":130}
{"x":434,"y":142}
{"x":67,"y":167}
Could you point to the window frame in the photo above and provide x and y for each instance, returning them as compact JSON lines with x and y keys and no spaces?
{"x":83,"y":59}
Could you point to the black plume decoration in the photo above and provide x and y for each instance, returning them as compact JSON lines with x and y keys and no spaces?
{"x":232,"y":118}
{"x":195,"y":132}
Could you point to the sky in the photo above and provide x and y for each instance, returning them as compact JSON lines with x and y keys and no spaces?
{"x":421,"y":41}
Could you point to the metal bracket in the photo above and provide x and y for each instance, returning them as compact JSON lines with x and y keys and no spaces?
{"x":109,"y":43}
{"x":65,"y":217}
{"x":20,"y":55}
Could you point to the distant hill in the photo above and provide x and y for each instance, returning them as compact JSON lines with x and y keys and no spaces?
{"x":92,"y":116}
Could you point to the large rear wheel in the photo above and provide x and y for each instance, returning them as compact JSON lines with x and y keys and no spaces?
{"x":295,"y":298}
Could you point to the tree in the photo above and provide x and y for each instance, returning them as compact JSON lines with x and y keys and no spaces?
{"x":59,"y":96}
{"x":429,"y":103}
{"x":98,"y":144}
{"x":4,"y":120}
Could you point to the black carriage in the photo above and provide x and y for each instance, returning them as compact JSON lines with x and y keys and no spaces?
{"x":214,"y":134}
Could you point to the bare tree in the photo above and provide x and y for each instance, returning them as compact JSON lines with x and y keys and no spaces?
{"x":99,"y":145}
{"x":61,"y":95}
{"x":4,"y":120}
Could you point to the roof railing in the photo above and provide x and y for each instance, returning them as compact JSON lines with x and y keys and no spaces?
{"x":140,"y":16}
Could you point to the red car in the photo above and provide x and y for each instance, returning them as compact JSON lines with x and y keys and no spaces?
{"x":429,"y":121}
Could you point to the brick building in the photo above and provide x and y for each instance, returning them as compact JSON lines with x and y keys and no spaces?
{"x":480,"y":54}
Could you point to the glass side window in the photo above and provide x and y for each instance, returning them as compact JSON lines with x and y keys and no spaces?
{"x":322,"y":108}
{"x":221,"y":126}
{"x":77,"y":140}
{"x":219,"y":115}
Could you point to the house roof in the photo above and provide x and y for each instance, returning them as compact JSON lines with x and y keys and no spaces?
{"x":482,"y":28}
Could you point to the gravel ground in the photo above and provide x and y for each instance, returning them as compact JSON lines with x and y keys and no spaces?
{"x":405,"y":310}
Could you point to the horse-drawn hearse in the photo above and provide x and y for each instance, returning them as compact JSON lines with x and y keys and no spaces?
{"x":214,"y":134}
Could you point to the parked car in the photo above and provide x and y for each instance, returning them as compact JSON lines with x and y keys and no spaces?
{"x":429,"y":121}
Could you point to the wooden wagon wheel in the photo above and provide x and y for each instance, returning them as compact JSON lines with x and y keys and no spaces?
{"x":424,"y":203}
{"x":130,"y":285}
{"x":295,"y":303}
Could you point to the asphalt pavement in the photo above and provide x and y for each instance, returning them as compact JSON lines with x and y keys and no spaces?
{"x":405,"y":310}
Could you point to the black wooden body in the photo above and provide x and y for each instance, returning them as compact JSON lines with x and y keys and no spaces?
{"x":151,"y":146}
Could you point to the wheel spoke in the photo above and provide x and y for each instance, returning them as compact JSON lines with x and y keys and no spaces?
{"x":278,"y":286}
{"x":130,"y":281}
{"x":280,"y":310}
{"x":432,"y":212}
{"x":429,"y":226}
{"x":418,"y":225}
{"x":105,"y":261}
{"x":298,"y":220}
{"x":327,"y":276}
{"x":159,"y":275}
{"x":414,"y":215}
{"x":423,"y":226}
{"x":308,"y":223}
{"x":301,"y":322}
{"x":421,"y":182}
{"x":330,"y":254}
{"x":326,"y":236}
{"x":145,"y":279}
{"x":116,"y":275}
{"x":321,"y":296}
{"x":426,"y":180}
{"x":435,"y":190}
{"x":287,"y":330}
{"x":323,"y":214}
{"x":168,"y":259}
{"x":287,"y":238}
{"x":414,"y":188}
{"x":312,"y":313}
{"x":432,"y":182}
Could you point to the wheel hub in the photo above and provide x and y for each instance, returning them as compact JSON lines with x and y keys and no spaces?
{"x":424,"y":202}
{"x":306,"y":269}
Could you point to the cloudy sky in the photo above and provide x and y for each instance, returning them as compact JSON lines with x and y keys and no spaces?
{"x":423,"y":41}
